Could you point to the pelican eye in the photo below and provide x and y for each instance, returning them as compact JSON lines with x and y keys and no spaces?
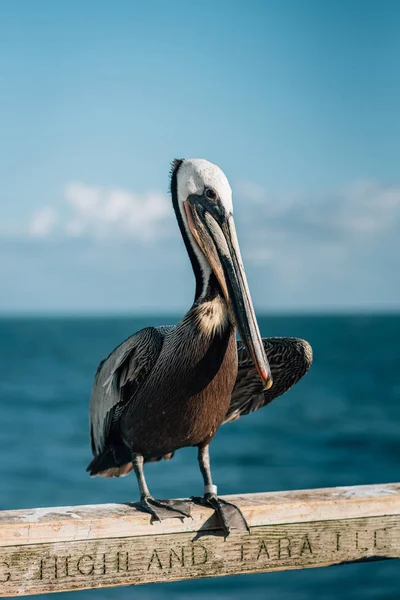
{"x":211,"y":194}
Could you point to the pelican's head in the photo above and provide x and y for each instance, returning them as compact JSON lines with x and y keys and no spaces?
{"x":203,"y":201}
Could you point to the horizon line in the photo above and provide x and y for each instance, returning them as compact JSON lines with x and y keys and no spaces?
{"x":304,"y":312}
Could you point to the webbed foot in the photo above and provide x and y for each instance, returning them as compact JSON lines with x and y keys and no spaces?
{"x":165,"y":509}
{"x":230,"y":516}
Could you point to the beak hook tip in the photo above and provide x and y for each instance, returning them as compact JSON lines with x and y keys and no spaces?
{"x":268,"y":384}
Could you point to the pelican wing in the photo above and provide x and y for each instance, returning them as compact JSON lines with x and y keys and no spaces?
{"x":289,"y":359}
{"x":117,"y":379}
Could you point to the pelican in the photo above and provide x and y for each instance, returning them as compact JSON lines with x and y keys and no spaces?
{"x":166,"y":388}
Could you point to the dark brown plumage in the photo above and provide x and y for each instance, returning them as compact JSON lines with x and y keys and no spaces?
{"x":289,"y":358}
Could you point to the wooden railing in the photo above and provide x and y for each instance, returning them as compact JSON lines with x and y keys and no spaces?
{"x":82,"y":547}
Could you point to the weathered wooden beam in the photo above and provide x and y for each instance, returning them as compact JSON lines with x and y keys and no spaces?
{"x":82,"y":547}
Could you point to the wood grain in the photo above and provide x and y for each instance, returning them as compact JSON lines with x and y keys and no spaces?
{"x":71,"y":548}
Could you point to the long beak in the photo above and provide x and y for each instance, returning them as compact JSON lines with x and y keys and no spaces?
{"x":223,"y":254}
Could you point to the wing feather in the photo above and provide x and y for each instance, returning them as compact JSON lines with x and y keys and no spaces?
{"x":289,"y":359}
{"x":118,"y":378}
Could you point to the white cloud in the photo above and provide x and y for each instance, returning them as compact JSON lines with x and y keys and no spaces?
{"x":101,"y":212}
{"x":365,"y":209}
{"x":329,"y":245}
{"x":96,"y":212}
{"x":42,"y":223}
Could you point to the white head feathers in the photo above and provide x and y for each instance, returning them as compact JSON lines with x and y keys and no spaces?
{"x":195,"y":174}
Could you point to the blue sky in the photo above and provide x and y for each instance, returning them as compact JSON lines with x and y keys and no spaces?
{"x":298,"y":102}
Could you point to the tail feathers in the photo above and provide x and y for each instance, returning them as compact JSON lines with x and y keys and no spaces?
{"x":109,"y":464}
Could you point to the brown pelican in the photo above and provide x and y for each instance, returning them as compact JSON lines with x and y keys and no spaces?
{"x":166,"y":388}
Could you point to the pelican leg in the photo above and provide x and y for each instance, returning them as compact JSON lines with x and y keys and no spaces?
{"x":231,"y":516}
{"x":158,"y":509}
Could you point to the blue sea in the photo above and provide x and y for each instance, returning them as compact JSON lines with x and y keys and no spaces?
{"x":339,"y":426}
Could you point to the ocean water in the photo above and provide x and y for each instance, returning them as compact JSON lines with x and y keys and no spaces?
{"x":339,"y":426}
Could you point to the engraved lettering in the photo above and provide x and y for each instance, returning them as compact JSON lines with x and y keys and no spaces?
{"x":242,"y":553}
{"x":155,"y":557}
{"x":67,"y":566}
{"x":122,"y":564}
{"x":41,"y":568}
{"x":337,"y":542}
{"x":262,"y":550}
{"x":85,"y":565}
{"x":284,"y":548}
{"x":377,"y":542}
{"x":180,"y":559}
{"x":5,"y":574}
{"x":104,"y":564}
{"x":54,"y":570}
{"x":202,"y":556}
{"x":358,"y":544}
{"x":306,"y":546}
